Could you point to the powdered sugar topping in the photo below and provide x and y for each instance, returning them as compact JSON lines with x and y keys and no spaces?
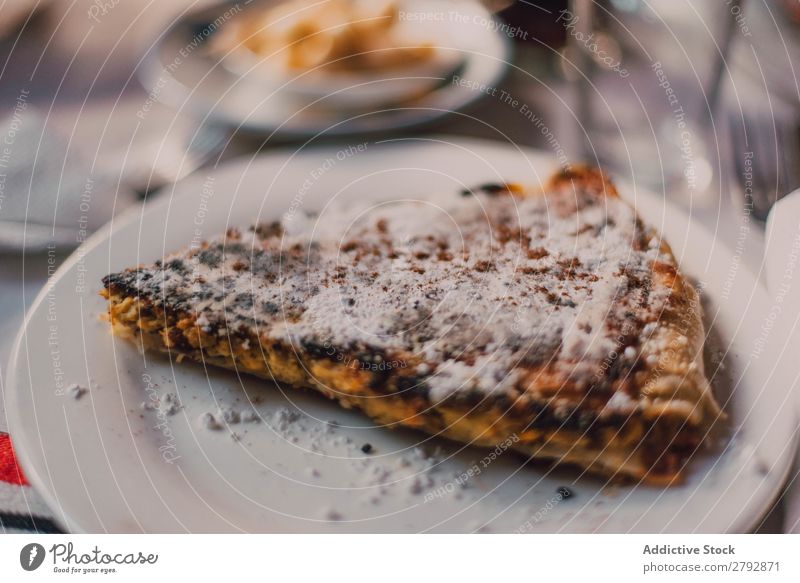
{"x":466,"y":288}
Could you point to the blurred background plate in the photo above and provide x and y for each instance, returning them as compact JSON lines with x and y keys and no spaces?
{"x":182,"y":71}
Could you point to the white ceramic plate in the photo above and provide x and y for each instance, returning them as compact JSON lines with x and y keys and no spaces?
{"x":199,"y":80}
{"x":103,"y":463}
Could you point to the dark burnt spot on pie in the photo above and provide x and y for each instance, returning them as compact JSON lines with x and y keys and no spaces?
{"x":234,"y":249}
{"x":177,"y":265}
{"x":177,"y":339}
{"x":244,"y":300}
{"x":317,"y":349}
{"x":116,"y":281}
{"x":270,"y":308}
{"x":415,"y":385}
{"x":211,"y":257}
{"x":203,"y":293}
{"x":265,"y":265}
{"x":269,"y":230}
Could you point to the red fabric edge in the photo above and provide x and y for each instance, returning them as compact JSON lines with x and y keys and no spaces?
{"x":9,"y":470}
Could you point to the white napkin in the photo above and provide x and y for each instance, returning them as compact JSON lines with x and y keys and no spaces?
{"x":782,"y":259}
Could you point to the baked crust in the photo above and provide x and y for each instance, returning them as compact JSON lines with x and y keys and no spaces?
{"x":621,"y":392}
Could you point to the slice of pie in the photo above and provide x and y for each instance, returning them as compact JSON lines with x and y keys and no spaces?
{"x":552,"y":316}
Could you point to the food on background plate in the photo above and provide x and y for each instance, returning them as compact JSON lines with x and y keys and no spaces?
{"x":551,"y":316}
{"x":352,"y":53}
{"x":337,"y":35}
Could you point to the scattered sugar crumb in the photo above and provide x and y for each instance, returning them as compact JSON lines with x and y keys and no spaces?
{"x":331,"y":514}
{"x":169,"y":404}
{"x":208,"y":421}
{"x":229,"y":416}
{"x":76,"y":391}
{"x":250,"y":416}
